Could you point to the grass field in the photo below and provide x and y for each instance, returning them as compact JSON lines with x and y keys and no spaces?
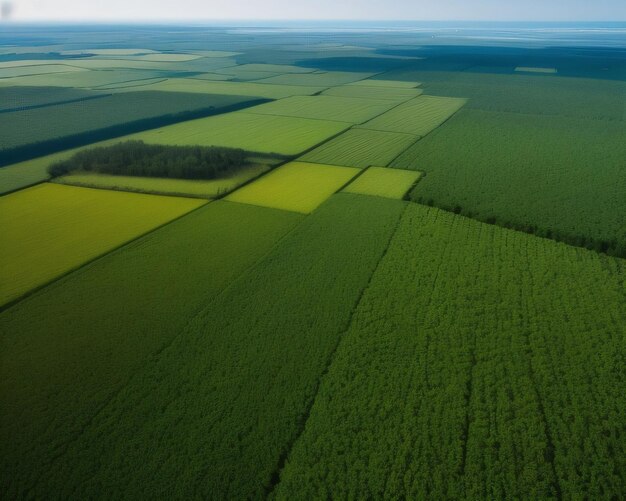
{"x":367,"y":92}
{"x":418,"y":116}
{"x":269,"y":91}
{"x":317,"y":79}
{"x":296,"y":186}
{"x":17,"y":98}
{"x":68,"y":349}
{"x":50,"y":229}
{"x":259,"y":133}
{"x":231,"y":391}
{"x":481,"y":363}
{"x":56,"y":122}
{"x":342,"y":109}
{"x":83,"y":79}
{"x":384,"y":182}
{"x":164,"y":186}
{"x":398,"y":84}
{"x":361,"y":148}
{"x":533,"y":173}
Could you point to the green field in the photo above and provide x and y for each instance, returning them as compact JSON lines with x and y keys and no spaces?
{"x":16,"y":98}
{"x":268,"y":91}
{"x":384,"y":182}
{"x":418,"y":116}
{"x":317,"y":79}
{"x":398,"y":84}
{"x":361,"y":148}
{"x":296,"y":186}
{"x":211,"y":413}
{"x":343,"y":109}
{"x":165,"y":186}
{"x":51,"y":229}
{"x":258,"y":133}
{"x":535,"y":173}
{"x":89,"y":333}
{"x":481,"y":363}
{"x":53,"y":127}
{"x":367,"y":92}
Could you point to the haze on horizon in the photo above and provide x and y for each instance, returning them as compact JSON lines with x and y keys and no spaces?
{"x":366,"y":10}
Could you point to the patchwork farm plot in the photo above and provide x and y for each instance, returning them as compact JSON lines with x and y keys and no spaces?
{"x":361,"y":148}
{"x":257,"y":133}
{"x":296,"y":186}
{"x":343,"y":109}
{"x":51,"y":229}
{"x":367,"y":92}
{"x":384,"y":182}
{"x":418,"y":116}
{"x":317,"y":79}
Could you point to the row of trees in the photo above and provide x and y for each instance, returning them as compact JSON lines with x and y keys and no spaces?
{"x":135,"y":158}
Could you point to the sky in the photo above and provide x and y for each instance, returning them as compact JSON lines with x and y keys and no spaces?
{"x":426,"y":10}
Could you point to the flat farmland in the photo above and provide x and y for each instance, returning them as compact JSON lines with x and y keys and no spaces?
{"x":69,"y":348}
{"x":366,"y":92}
{"x":234,"y":88}
{"x":51,"y":229}
{"x":398,"y":84}
{"x":483,"y":164}
{"x":256,"y":133}
{"x":161,"y":186}
{"x":317,"y":79}
{"x":418,"y":116}
{"x":480,"y":363}
{"x":384,"y":182}
{"x":84,"y":79}
{"x":341,"y":109}
{"x":361,"y":148}
{"x":296,"y":186}
{"x":18,"y":98}
{"x":60,"y":126}
{"x":232,"y":390}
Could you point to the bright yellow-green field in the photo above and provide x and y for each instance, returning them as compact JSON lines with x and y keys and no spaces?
{"x":384,"y":182}
{"x":252,"y":132}
{"x":201,"y":188}
{"x":50,"y":229}
{"x":296,"y":186}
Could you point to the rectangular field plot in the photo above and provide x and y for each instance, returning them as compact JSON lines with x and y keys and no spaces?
{"x":296,"y":186}
{"x":532,"y":69}
{"x":234,"y":88}
{"x":363,"y":91}
{"x":361,"y":148}
{"x":321,"y":79}
{"x":418,"y":116}
{"x":384,"y":182}
{"x":343,"y":109}
{"x":84,"y":79}
{"x":399,"y":84}
{"x":259,"y":133}
{"x":197,"y":188}
{"x":51,"y":229}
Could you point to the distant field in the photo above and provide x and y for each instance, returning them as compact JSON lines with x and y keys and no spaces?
{"x":16,"y":98}
{"x":181,"y":187}
{"x":535,"y":173}
{"x":260,"y":133}
{"x":50,"y":229}
{"x":361,"y":148}
{"x":230,"y":392}
{"x":343,"y":109}
{"x":13,"y":71}
{"x":84,"y":79}
{"x":234,"y":88}
{"x":384,"y":182}
{"x":529,"y":69}
{"x":366,"y":92}
{"x":68,"y":349}
{"x":296,"y":186}
{"x":481,"y":363}
{"x":61,"y":126}
{"x":418,"y":116}
{"x":318,"y":79}
{"x":369,"y":82}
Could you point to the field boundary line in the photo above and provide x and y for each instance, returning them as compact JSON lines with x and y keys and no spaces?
{"x":302,"y":421}
{"x":91,"y":261}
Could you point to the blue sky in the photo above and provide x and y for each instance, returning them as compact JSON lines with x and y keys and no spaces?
{"x":484,"y":10}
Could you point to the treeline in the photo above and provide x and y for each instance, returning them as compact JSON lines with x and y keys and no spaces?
{"x":136,"y":158}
